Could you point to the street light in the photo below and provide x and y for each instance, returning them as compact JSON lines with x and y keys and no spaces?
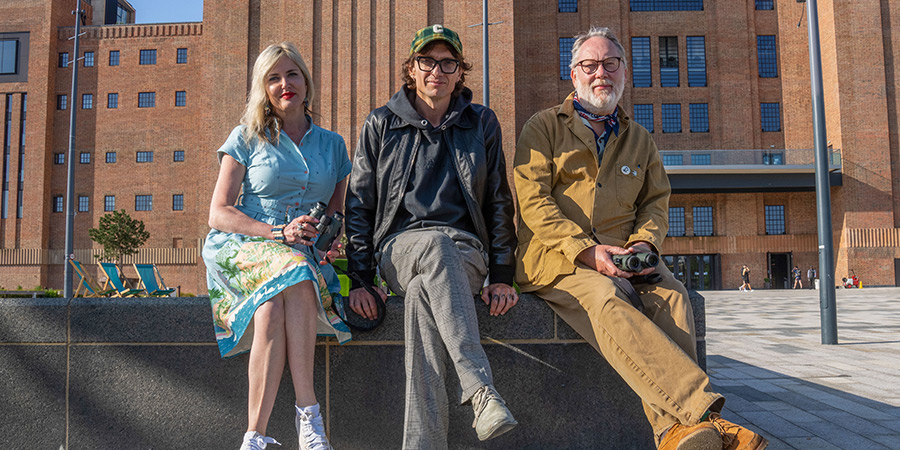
{"x":70,"y":175}
{"x":484,"y":54}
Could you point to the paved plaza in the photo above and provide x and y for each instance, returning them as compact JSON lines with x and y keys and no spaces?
{"x":765,"y":354}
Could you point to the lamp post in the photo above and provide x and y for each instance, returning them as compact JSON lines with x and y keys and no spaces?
{"x":70,"y":175}
{"x":827,"y":304}
{"x":485,"y":52}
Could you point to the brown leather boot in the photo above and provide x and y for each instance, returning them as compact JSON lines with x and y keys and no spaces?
{"x":736,"y":437}
{"x":703,"y":436}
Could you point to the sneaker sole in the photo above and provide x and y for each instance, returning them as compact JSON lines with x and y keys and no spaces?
{"x":703,"y":439}
{"x":497,"y":429}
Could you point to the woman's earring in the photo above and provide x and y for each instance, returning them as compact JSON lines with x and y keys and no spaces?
{"x":268,"y":110}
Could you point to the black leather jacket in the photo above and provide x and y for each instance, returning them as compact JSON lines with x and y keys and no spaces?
{"x":384,"y":155}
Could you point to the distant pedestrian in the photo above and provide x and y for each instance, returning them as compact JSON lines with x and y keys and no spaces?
{"x":745,"y":279}
{"x":811,"y":276}
{"x":796,"y":274}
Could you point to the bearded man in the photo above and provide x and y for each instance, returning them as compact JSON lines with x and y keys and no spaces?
{"x":591,"y":185}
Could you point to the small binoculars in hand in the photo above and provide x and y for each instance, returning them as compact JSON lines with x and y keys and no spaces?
{"x":329,"y":227}
{"x":635,"y":262}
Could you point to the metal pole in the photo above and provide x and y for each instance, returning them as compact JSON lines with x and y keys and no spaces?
{"x":827,"y":304}
{"x":487,"y":83}
{"x":70,"y":176}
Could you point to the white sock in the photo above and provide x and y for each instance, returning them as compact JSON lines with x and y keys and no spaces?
{"x":312,"y":410}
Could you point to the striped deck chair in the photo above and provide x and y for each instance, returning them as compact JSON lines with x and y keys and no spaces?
{"x":113,"y":278}
{"x":151,"y":281}
{"x":87,"y":287}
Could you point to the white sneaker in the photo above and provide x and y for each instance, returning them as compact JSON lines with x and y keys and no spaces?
{"x":256,"y":441}
{"x":492,"y":417}
{"x":311,"y":430}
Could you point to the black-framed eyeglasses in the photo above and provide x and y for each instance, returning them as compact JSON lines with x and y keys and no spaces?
{"x":610,"y":65}
{"x":426,"y":64}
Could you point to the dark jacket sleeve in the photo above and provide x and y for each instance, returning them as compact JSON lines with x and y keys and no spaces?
{"x":497,"y":205}
{"x":361,"y":203}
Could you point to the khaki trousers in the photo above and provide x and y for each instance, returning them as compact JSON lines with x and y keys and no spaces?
{"x":654,"y":351}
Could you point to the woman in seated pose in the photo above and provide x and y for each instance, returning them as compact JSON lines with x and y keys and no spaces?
{"x":269,"y":290}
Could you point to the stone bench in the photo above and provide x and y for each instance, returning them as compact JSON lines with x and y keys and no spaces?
{"x":145,"y":372}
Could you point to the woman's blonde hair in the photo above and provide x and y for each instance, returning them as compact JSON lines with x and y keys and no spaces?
{"x":259,"y":115}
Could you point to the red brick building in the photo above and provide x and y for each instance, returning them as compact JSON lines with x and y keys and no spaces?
{"x":724,"y":89}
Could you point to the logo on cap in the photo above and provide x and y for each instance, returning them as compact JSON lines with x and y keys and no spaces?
{"x":437,"y":28}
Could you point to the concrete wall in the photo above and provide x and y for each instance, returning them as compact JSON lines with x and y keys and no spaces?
{"x":146,"y":373}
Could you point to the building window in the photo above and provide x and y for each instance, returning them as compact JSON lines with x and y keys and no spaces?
{"x":770,"y":116}
{"x":676,"y":221}
{"x":181,"y":56}
{"x":699,"y":115}
{"x":178,"y":202}
{"x":112,"y":100}
{"x":565,"y":57}
{"x":83,"y":203}
{"x":640,"y":64}
{"x":701,"y":159}
{"x":766,"y":56}
{"x":703,"y":221}
{"x":146,"y":99}
{"x":671,"y":117}
{"x":59,"y":158}
{"x":57,"y":203}
{"x":568,"y":5}
{"x":773,"y":158}
{"x":88,"y":59}
{"x":774,"y":219}
{"x":147,"y":57}
{"x":143,"y":157}
{"x":109,"y":203}
{"x":64,"y":59}
{"x":113,"y":57}
{"x":696,"y":61}
{"x":9,"y":56}
{"x":673,"y":159}
{"x":143,"y":203}
{"x":62,"y":101}
{"x":667,"y":5}
{"x":84,"y":158}
{"x":643,"y":114}
{"x":668,"y":61}
{"x":762,"y":5}
{"x":87,"y":101}
{"x":178,"y":156}
{"x":180,"y":98}
{"x":110,"y":157}
{"x":122,"y":15}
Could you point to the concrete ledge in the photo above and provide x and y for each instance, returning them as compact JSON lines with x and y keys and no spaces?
{"x":145,"y":372}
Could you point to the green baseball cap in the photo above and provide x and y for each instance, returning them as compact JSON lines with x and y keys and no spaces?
{"x":435,"y":32}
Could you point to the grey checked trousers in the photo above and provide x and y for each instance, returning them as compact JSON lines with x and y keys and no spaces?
{"x":437,"y":270}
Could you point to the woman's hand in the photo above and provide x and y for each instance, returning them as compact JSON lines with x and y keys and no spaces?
{"x":332,"y":253}
{"x":302,"y":230}
{"x":500,"y":297}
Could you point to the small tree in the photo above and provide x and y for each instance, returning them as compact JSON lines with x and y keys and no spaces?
{"x":119,"y":234}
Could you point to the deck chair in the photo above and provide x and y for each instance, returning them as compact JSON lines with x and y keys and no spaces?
{"x":113,"y":278}
{"x":151,"y":281}
{"x":87,"y":287}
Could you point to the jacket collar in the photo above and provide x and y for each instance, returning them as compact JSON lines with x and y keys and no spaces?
{"x":573,"y":121}
{"x":405,"y":113}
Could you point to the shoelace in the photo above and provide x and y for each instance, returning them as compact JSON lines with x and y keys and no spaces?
{"x":723,"y":427}
{"x":480,"y":400}
{"x":259,"y":442}
{"x":313,"y":429}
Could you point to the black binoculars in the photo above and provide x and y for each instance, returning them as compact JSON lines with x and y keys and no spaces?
{"x":329,"y":227}
{"x":636,"y":262}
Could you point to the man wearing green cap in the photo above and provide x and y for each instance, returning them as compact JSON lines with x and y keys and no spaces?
{"x":429,"y":206}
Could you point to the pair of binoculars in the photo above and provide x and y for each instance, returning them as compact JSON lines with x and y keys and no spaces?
{"x":329,"y":227}
{"x":635,"y":262}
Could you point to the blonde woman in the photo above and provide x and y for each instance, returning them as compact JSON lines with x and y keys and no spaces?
{"x":270,"y":292}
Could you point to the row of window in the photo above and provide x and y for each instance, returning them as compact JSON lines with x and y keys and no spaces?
{"x":698,"y":115}
{"x":669,"y":68}
{"x":7,"y":151}
{"x":663,"y":5}
{"x":111,"y":157}
{"x":703,"y":220}
{"x":141,"y":203}
{"x":146,"y":57}
{"x":145,"y":100}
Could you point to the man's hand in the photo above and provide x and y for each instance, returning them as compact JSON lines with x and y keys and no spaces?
{"x":599,"y":258}
{"x":500,"y":297}
{"x":362,"y":303}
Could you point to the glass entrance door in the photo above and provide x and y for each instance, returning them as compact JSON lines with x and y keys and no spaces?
{"x":700,"y":272}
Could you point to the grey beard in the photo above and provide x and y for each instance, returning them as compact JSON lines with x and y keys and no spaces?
{"x":592,"y":103}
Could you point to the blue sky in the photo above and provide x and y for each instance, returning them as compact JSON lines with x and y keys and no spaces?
{"x":160,"y":11}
